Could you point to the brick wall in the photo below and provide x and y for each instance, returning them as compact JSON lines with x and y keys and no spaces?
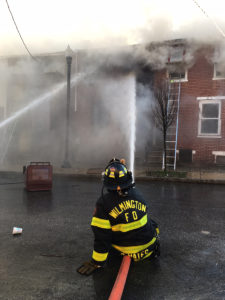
{"x":200,"y":83}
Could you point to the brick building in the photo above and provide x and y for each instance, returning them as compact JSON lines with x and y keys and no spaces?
{"x":199,"y":74}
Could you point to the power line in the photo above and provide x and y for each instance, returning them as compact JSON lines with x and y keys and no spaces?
{"x":19,"y":31}
{"x":215,"y":24}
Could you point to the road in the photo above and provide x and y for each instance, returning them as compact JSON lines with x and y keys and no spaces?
{"x":41,"y":263}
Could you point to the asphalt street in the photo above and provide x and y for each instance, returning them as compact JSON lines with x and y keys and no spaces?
{"x":41,"y":263}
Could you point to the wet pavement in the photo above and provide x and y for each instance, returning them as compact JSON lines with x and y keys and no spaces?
{"x":41,"y":262}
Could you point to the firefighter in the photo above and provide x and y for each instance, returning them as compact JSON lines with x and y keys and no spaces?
{"x":120,"y":220}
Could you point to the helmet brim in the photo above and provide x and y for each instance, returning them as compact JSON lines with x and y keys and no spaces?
{"x":113,"y":187}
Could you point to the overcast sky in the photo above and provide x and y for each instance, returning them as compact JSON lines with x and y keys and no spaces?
{"x":50,"y":25}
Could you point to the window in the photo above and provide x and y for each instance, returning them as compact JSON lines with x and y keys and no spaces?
{"x":209,"y":118}
{"x":177,"y":75}
{"x":177,"y":72}
{"x":176,"y":54}
{"x":219,"y":71}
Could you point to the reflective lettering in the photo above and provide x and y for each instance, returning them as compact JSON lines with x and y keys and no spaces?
{"x":143,"y":208}
{"x":113,"y":213}
{"x":134,"y":215}
{"x":119,"y":212}
{"x":125,"y":205}
{"x":121,"y":206}
{"x":128,"y":204}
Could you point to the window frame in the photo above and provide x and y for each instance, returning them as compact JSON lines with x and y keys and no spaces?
{"x":209,"y":135}
{"x":177,"y":80}
{"x":214,"y":73}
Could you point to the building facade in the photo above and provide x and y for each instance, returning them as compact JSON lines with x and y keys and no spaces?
{"x":200,"y":75}
{"x":111,"y":96}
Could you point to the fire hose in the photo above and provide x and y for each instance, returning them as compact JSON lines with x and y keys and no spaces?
{"x":121,"y":278}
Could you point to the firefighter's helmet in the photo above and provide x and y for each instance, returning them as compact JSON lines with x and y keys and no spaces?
{"x":116,"y":176}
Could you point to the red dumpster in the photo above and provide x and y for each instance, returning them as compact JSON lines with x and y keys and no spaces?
{"x":38,"y":176}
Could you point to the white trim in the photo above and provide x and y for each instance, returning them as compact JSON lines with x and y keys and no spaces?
{"x":218,"y":78}
{"x":211,"y":98}
{"x":219,"y":153}
{"x":179,"y":80}
{"x":209,"y":136}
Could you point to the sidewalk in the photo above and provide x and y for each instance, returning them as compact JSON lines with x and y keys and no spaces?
{"x":197,"y":175}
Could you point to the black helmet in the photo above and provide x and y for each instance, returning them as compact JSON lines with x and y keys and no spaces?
{"x":116,"y":176}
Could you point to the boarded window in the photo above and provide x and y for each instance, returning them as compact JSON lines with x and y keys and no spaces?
{"x":185,"y":155}
{"x":220,"y":160}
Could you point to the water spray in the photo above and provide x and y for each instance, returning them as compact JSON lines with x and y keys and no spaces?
{"x":132,"y":114}
{"x":41,"y":99}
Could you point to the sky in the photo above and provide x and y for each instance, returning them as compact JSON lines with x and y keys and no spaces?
{"x":50,"y":25}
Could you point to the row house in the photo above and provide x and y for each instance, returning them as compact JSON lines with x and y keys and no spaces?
{"x":101,"y":108}
{"x":197,"y":74}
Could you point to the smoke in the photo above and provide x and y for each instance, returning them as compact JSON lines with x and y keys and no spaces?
{"x":103,"y":119}
{"x":118,"y":40}
{"x":105,"y":24}
{"x":144,"y":132}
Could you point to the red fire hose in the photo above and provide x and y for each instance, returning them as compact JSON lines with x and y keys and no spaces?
{"x":121,"y":278}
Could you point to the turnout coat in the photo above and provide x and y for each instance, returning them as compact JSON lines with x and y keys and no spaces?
{"x":122,"y":222}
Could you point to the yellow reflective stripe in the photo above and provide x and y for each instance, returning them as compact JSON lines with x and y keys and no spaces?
{"x":121,"y":174}
{"x":144,"y":257}
{"x":99,"y":256}
{"x":147,"y":255}
{"x":157,"y":230}
{"x":112,"y":174}
{"x":134,"y":249}
{"x":125,"y":169}
{"x":102,"y":223}
{"x":130,"y":226}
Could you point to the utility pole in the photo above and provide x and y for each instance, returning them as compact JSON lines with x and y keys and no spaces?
{"x":68,"y":54}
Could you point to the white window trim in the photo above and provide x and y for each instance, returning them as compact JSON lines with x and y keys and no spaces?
{"x":211,"y":98}
{"x":185,"y":79}
{"x":214,"y":74}
{"x":209,"y":135}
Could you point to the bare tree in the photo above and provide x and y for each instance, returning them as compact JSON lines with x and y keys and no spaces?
{"x":164,"y":111}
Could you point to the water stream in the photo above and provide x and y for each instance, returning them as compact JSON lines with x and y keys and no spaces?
{"x":132,"y":115}
{"x":47,"y":96}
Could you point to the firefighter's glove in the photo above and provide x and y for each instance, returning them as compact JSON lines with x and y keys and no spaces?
{"x":87,"y":268}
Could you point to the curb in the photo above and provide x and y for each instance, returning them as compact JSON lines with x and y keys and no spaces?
{"x":86,"y":175}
